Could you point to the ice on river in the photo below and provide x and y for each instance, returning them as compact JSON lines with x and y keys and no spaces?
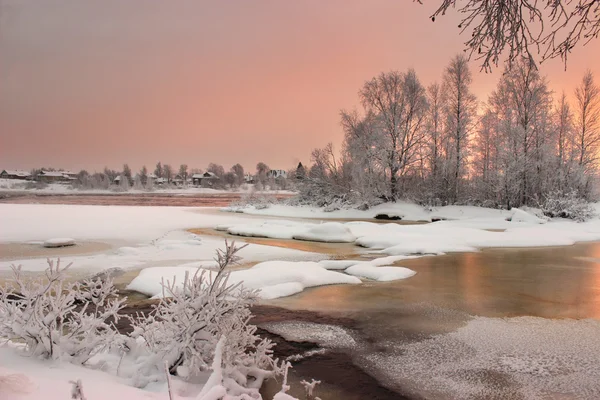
{"x":510,"y":358}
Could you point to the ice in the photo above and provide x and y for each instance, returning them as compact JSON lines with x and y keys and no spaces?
{"x":524,"y":357}
{"x":322,"y":334}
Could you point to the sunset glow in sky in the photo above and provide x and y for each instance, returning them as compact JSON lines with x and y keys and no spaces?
{"x":88,"y":84}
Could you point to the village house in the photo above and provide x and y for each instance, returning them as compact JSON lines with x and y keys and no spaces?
{"x":53,"y":176}
{"x":205,"y":179}
{"x":15,"y":174}
{"x":249,"y":178}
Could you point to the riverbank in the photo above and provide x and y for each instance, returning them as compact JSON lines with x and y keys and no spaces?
{"x":415,"y":336}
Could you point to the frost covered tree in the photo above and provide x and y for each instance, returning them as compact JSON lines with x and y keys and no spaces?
{"x":203,"y":319}
{"x":168,"y":172}
{"x":520,"y":28}
{"x":183,"y":172}
{"x":238,"y":172}
{"x":144,"y":175}
{"x":216,"y":169}
{"x":459,"y":112}
{"x":58,"y":319}
{"x":127,"y":172}
{"x":124,"y":184}
{"x":398,"y":103}
{"x":587,"y":110}
{"x":158,"y":170}
{"x":522,"y":102}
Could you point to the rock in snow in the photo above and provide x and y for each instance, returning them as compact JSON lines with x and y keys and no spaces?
{"x":59,"y":242}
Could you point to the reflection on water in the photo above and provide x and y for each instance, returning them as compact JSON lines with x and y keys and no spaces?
{"x":422,"y":340}
{"x":335,"y":250}
{"x":556,"y":282}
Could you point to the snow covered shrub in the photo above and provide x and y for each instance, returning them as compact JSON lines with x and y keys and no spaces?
{"x":567,"y":205}
{"x":57,"y":319}
{"x":186,"y":326}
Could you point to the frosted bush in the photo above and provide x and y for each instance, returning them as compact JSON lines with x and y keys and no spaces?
{"x":186,"y":326}
{"x":57,"y":319}
{"x":567,"y":205}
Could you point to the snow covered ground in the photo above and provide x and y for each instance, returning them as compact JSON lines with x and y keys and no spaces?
{"x":458,"y":228}
{"x":154,"y":239}
{"x":142,"y":236}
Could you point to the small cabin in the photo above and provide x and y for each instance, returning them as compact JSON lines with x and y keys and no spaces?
{"x":205,"y":179}
{"x":14,"y":174}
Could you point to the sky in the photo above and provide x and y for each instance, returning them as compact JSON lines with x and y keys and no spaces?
{"x":88,"y":84}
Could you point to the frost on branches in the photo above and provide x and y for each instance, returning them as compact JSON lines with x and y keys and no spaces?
{"x":57,"y":319}
{"x":567,"y":205}
{"x":201,"y":325}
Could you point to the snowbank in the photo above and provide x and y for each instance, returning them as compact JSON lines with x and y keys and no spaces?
{"x":273,"y":278}
{"x":523,"y":216}
{"x":332,"y":232}
{"x":526,"y":230}
{"x":382,"y":274}
{"x":403,"y":210}
{"x":59,"y":242}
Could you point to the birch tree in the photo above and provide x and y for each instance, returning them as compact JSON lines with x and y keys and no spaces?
{"x":587,"y":97}
{"x":459,"y":112}
{"x":399,"y":101}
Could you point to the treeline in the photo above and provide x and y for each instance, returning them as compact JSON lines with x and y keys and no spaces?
{"x":166,"y":175}
{"x":439,"y":145}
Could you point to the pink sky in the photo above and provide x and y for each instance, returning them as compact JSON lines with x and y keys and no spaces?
{"x":84,"y":84}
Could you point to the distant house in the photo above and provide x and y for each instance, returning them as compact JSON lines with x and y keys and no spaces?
{"x":70,"y":175}
{"x":249,"y":178}
{"x":14,"y":174}
{"x":277,"y":173}
{"x":205,"y":179}
{"x":52,"y":176}
{"x":178,"y":180}
{"x":160,"y":181}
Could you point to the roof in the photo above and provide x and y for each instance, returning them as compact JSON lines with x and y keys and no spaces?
{"x":16,"y":172}
{"x":206,"y":175}
{"x":52,"y":173}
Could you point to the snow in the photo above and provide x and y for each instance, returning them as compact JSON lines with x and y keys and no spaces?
{"x":523,"y":216}
{"x":59,"y":242}
{"x":332,"y":232}
{"x":408,"y":212}
{"x":39,"y":379}
{"x":381,"y":274}
{"x":273,"y":278}
{"x":461,"y":235}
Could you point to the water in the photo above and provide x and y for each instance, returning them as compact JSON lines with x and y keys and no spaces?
{"x":500,"y":323}
{"x":554,"y":282}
